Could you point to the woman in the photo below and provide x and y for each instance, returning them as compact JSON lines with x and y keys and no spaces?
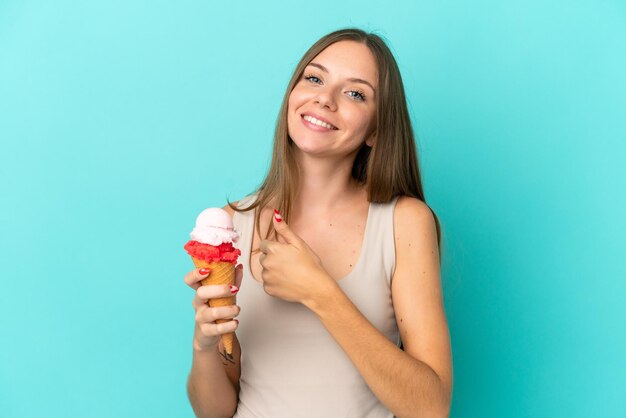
{"x":341,"y":305}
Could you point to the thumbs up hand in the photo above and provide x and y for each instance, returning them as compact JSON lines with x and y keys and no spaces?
{"x":291,"y":269}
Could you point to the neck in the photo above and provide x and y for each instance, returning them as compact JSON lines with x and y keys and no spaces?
{"x":325,"y":185}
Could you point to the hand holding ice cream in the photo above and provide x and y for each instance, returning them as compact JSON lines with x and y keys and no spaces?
{"x":211,"y":247}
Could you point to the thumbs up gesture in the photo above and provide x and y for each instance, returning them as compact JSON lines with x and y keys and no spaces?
{"x":291,"y":269}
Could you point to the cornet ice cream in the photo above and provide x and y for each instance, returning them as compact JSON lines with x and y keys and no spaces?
{"x":211,"y":246}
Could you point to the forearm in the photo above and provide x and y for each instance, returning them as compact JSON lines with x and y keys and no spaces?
{"x":210,"y":391}
{"x":407,"y":386}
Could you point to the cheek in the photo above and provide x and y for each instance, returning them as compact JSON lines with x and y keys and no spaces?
{"x":290,"y":103}
{"x":292,"y":107}
{"x":360,"y":120}
{"x":296,"y":98}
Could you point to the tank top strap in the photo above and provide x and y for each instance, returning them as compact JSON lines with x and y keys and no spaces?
{"x":380,"y":238}
{"x":244,"y":224}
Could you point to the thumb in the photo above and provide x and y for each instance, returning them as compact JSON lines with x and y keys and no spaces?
{"x":238,"y":275}
{"x":284,"y":231}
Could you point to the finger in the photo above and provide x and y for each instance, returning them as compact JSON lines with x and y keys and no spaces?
{"x":268,"y":246}
{"x":284,"y":231}
{"x":211,"y":329}
{"x":198,"y":302}
{"x":266,"y":262}
{"x":267,"y":289}
{"x":209,"y":314}
{"x":194,"y":277}
{"x":227,"y":327}
{"x":214,"y":291}
{"x":238,"y":275}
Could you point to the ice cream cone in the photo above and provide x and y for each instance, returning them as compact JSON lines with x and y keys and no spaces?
{"x":211,"y":246}
{"x":221,"y":273}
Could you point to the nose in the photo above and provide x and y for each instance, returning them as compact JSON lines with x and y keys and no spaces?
{"x":325,"y":99}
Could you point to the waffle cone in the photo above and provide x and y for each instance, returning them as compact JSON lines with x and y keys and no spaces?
{"x":222,"y":272}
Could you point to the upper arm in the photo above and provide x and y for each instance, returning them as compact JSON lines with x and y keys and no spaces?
{"x":416,"y":289}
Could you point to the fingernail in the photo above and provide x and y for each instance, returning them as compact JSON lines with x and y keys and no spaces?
{"x":236,"y":320}
{"x":239,"y":266}
{"x":277,"y":216}
{"x":204,"y":271}
{"x":234,"y":289}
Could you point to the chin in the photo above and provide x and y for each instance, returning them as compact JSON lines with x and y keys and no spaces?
{"x":306,"y":146}
{"x":302,"y":140}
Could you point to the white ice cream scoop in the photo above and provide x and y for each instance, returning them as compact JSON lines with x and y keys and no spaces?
{"x":214,"y":226}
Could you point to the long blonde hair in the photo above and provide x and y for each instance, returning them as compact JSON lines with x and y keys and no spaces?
{"x":388,"y":169}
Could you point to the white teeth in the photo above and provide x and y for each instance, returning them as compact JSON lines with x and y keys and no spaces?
{"x":318,"y":122}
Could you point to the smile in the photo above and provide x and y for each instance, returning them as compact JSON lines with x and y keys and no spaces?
{"x":318,"y":122}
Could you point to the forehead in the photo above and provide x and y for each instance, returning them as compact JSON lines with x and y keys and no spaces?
{"x":349,"y":59}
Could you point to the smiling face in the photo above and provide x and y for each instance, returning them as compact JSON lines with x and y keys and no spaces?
{"x":332,"y":108}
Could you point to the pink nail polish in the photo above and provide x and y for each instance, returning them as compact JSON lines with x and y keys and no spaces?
{"x":234,"y":289}
{"x":277,"y":216}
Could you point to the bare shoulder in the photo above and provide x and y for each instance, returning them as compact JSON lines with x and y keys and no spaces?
{"x":417,"y":249}
{"x":415,"y":234}
{"x":408,"y":203}
{"x":230,"y":210}
{"x":413,"y":216}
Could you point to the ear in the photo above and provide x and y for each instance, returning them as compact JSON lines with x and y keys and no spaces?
{"x":371,"y":140}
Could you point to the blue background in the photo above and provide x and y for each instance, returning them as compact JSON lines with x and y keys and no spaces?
{"x":121,"y":120}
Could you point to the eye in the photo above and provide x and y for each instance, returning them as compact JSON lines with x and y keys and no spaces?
{"x":358,"y":95}
{"x":312,"y":79}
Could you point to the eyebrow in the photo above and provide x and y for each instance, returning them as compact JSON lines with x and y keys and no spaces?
{"x":354,"y":80}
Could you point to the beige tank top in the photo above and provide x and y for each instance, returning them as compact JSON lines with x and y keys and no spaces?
{"x":291,"y":367}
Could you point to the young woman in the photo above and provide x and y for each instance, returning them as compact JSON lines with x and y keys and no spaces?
{"x":340,"y":292}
